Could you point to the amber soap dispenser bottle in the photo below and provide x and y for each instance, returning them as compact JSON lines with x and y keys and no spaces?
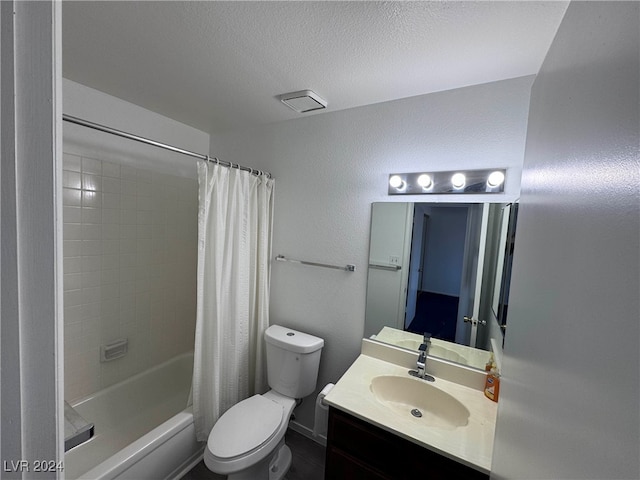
{"x":492,"y":384}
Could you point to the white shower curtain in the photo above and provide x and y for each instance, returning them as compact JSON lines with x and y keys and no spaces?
{"x":234,"y":247}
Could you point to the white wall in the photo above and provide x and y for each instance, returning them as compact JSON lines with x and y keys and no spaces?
{"x":330,"y":168}
{"x":130,"y":240}
{"x":30,"y":330}
{"x":98,"y":107}
{"x":570,"y":389}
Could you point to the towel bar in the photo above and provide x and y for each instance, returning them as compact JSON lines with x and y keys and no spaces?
{"x":348,"y":268}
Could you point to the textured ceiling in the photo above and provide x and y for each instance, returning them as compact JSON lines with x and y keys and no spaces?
{"x":221,"y":65}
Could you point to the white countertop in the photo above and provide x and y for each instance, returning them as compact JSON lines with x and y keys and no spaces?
{"x":471,"y":445}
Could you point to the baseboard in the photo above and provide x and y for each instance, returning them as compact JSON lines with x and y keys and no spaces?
{"x":307,"y":432}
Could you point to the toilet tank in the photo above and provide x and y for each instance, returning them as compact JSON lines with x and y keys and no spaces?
{"x":292,"y":361}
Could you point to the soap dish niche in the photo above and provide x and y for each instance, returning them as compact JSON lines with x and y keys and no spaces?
{"x":114,"y":350}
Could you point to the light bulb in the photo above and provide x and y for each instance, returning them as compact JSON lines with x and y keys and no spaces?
{"x":424,"y":181}
{"x":458,"y":180}
{"x":396,"y":182}
{"x":495,"y":179}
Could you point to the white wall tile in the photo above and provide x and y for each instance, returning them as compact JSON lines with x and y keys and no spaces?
{"x":110,"y":169}
{"x":91,"y":310}
{"x":110,"y":247}
{"x":72,"y":197}
{"x":92,"y":247}
{"x":122,"y":276}
{"x":72,"y":162}
{"x":90,"y":279}
{"x":127,"y":290}
{"x":128,"y":187}
{"x":72,"y":214}
{"x":110,"y":185}
{"x":73,"y":314}
{"x":90,"y":165}
{"x":127,"y":297}
{"x":111,"y":275}
{"x":91,"y":199}
{"x":91,"y":264}
{"x":144,"y":189}
{"x":72,"y":281}
{"x":91,"y":215}
{"x":128,"y":173}
{"x":110,"y":216}
{"x":110,"y":200}
{"x":145,"y":176}
{"x":91,"y":295}
{"x":73,"y":298}
{"x":109,"y":309}
{"x":91,"y":231}
{"x":143,"y":217}
{"x":110,"y":231}
{"x":71,"y":179}
{"x":72,"y":248}
{"x":72,"y":264}
{"x":127,"y":245}
{"x":72,"y":231}
{"x":128,"y":201}
{"x":145,"y":203}
{"x":91,"y":182}
{"x":144,"y":231}
{"x":128,"y":217}
{"x":109,"y":291}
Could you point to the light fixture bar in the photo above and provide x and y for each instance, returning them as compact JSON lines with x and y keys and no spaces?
{"x":450,"y":182}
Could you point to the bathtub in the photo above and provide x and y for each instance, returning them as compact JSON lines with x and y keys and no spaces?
{"x":143,"y":428}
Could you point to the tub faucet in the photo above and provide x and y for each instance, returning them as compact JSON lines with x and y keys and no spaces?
{"x":421,"y":363}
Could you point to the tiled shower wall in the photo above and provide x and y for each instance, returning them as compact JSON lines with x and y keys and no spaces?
{"x":130,"y":252}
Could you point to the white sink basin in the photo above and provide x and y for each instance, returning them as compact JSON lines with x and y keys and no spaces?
{"x":419,"y":401}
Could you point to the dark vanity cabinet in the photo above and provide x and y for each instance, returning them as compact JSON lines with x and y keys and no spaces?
{"x":359,"y":450}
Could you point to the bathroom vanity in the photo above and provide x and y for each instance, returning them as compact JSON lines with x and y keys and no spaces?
{"x":357,"y":449}
{"x":384,"y":423}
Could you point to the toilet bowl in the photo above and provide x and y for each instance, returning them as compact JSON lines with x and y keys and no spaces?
{"x":248,"y":435}
{"x":247,"y":442}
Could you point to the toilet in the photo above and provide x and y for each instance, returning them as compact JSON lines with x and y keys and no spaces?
{"x":247,"y":441}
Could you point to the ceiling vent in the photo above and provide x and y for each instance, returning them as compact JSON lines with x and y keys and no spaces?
{"x":303,"y":101}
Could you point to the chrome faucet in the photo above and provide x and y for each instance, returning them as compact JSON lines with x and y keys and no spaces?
{"x":421,"y":363}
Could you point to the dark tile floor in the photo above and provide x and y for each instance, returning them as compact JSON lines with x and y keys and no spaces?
{"x":307,"y":463}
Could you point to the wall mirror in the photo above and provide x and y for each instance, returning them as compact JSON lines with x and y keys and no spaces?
{"x":441,"y":268}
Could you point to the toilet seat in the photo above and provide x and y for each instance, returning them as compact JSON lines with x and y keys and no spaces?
{"x":248,"y":433}
{"x":244,"y":427}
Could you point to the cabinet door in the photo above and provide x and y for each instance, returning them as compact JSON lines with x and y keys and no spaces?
{"x":339,"y":465}
{"x":359,"y":450}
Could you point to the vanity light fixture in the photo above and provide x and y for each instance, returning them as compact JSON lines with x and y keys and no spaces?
{"x":425,"y":181}
{"x":458,"y":180}
{"x":455,"y":182}
{"x":495,"y":179}
{"x":396,"y":182}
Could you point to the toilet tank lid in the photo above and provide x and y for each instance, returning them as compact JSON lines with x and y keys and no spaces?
{"x":292,"y":340}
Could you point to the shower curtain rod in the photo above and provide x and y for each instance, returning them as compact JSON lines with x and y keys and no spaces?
{"x":130,"y":136}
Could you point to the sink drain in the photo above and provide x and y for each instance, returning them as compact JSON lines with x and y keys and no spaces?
{"x":416,"y":413}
